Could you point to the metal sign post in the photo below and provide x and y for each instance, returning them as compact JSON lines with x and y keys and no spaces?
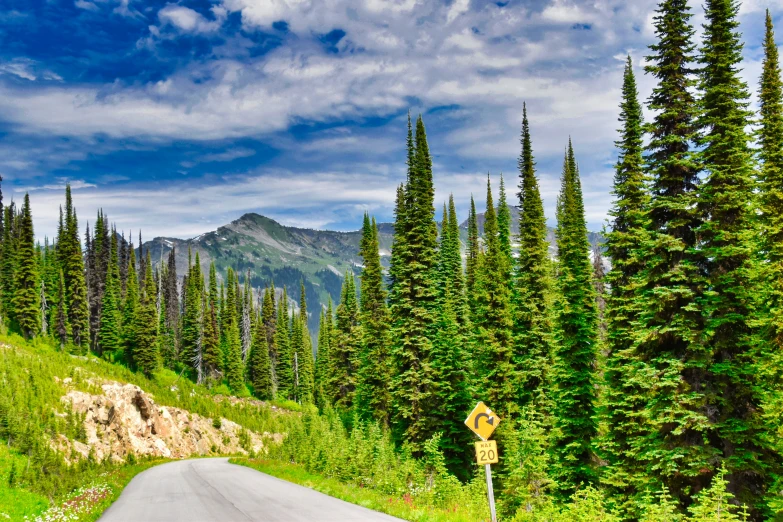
{"x":482,"y":421}
{"x":490,"y":493}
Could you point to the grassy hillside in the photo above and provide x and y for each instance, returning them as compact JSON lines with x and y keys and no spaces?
{"x":33,"y":476}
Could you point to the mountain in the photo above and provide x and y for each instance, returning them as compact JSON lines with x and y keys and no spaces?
{"x":287,"y":256}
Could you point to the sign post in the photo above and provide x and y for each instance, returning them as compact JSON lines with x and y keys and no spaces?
{"x":482,"y":421}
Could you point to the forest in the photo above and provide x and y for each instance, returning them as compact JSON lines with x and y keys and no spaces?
{"x":649,"y":391}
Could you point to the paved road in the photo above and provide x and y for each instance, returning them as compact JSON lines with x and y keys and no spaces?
{"x":212,"y":490}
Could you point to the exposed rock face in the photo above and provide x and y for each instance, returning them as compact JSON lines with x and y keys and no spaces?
{"x":126,"y":420}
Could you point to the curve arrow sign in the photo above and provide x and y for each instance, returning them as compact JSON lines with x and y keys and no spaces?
{"x":490,"y":420}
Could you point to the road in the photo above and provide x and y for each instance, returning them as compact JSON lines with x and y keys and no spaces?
{"x":207,"y":490}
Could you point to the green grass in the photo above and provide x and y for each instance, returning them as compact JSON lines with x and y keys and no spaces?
{"x":403,"y":507}
{"x":16,"y":503}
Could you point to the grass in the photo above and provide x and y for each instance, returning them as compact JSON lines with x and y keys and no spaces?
{"x":401,"y":507}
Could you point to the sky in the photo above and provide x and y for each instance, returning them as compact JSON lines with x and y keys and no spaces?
{"x":178,"y":117}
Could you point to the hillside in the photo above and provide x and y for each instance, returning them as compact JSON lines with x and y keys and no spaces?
{"x":286,"y":255}
{"x":77,"y":423}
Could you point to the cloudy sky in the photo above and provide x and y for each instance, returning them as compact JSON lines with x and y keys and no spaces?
{"x":177,"y":117}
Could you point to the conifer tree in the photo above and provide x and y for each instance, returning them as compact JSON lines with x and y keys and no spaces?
{"x":493,"y":321}
{"x":259,"y":367}
{"x":61,"y":326}
{"x":269,"y":318}
{"x":73,"y":269}
{"x":770,"y":139}
{"x":504,"y":230}
{"x":473,"y":252}
{"x":145,"y":353}
{"x":450,"y":386}
{"x":193,"y":288}
{"x":233,"y":369}
{"x":8,"y":267}
{"x":532,"y":288}
{"x":574,"y":371}
{"x":623,"y":246}
{"x":109,"y":330}
{"x":415,"y":300}
{"x":211,"y":343}
{"x":666,"y":443}
{"x":322,"y":392}
{"x":284,"y":361}
{"x":344,"y":348}
{"x":373,"y":373}
{"x":129,"y":308}
{"x":733,"y":389}
{"x":27,"y":297}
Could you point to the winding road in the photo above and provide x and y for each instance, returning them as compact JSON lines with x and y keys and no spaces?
{"x":212,"y":490}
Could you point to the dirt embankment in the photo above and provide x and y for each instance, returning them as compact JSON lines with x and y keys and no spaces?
{"x":124,"y":419}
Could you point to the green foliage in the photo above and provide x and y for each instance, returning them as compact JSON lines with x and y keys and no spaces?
{"x":574,"y":373}
{"x":344,"y":348}
{"x":259,"y":366}
{"x":26,"y":301}
{"x":145,"y":354}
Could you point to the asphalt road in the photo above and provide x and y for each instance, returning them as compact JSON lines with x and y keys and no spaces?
{"x":207,"y":490}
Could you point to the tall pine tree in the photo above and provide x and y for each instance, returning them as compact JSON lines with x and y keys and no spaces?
{"x":27,"y":296}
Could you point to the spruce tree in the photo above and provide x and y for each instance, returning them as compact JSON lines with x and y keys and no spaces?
{"x":259,"y":367}
{"x":532,"y":288}
{"x":574,"y":370}
{"x":192,"y":317}
{"x":473,"y":251}
{"x":373,"y":372}
{"x":61,"y":327}
{"x":210,"y":357}
{"x":233,"y":367}
{"x":734,"y":386}
{"x":414,"y":300}
{"x":770,"y":140}
{"x":282,"y":340}
{"x":145,"y":353}
{"x":665,"y":448}
{"x":344,"y":349}
{"x":623,"y":246}
{"x":26,"y":299}
{"x":504,"y":230}
{"x":450,"y":387}
{"x":8,"y":267}
{"x":109,"y":331}
{"x":129,"y":308}
{"x":269,"y":318}
{"x":75,"y":284}
{"x":493,"y":320}
{"x":323,"y":395}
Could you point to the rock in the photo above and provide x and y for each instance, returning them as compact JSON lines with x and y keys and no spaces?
{"x":124,"y":419}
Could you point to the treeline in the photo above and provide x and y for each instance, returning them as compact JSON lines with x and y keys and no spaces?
{"x":126,"y":310}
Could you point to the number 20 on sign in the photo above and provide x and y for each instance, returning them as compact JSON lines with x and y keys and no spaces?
{"x":486,"y":452}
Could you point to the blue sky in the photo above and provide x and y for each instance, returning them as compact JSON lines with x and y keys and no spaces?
{"x":177,"y":117}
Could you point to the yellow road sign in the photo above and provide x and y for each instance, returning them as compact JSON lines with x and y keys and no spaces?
{"x":482,"y":421}
{"x":487,"y":452}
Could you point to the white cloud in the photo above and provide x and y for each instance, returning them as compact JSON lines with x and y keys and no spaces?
{"x":86,"y":5}
{"x":191,"y":21}
{"x":28,"y":69}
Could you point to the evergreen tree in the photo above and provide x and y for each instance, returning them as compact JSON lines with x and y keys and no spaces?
{"x":210,"y":357}
{"x":233,"y":369}
{"x":129,"y":309}
{"x":27,"y":297}
{"x":192,"y":317}
{"x":61,"y":327}
{"x":532,"y":288}
{"x":259,"y":367}
{"x":73,"y":269}
{"x":770,"y":139}
{"x":623,"y":245}
{"x":284,"y":361}
{"x":8,"y":267}
{"x":145,"y":353}
{"x":171,"y":300}
{"x":415,"y":299}
{"x":344,"y":348}
{"x":373,"y":373}
{"x":574,"y":371}
{"x":666,"y":445}
{"x":493,"y":320}
{"x":473,"y":252}
{"x":733,"y":389}
{"x":323,"y":395}
{"x":450,"y":387}
{"x":269,"y":318}
{"x":504,"y":230}
{"x":109,"y":330}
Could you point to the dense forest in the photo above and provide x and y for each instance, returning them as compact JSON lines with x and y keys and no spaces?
{"x":656,"y":386}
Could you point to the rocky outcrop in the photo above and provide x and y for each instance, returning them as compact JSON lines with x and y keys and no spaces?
{"x":124,"y":420}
